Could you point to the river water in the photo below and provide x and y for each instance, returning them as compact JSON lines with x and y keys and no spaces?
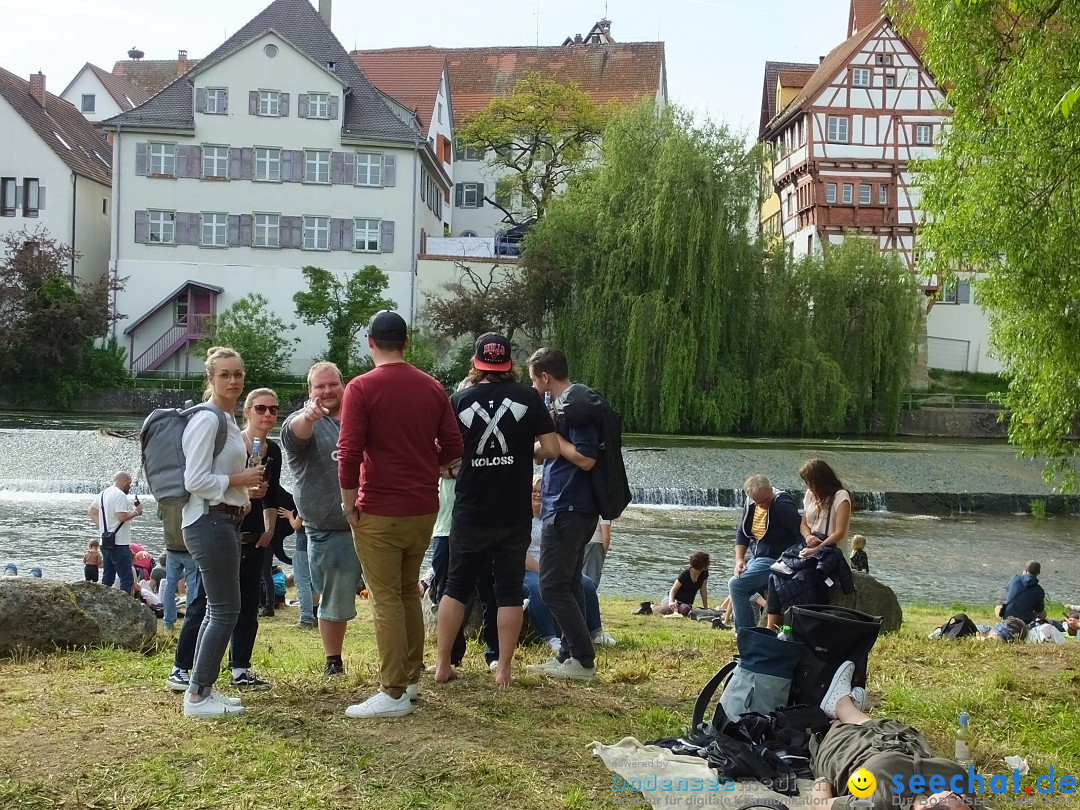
{"x":51,"y":469}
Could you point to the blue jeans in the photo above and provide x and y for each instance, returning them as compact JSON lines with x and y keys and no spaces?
{"x":335,"y":573}
{"x":302,"y":577}
{"x":752,"y":580}
{"x":178,"y":565}
{"x":117,"y":563}
{"x":540,"y":616}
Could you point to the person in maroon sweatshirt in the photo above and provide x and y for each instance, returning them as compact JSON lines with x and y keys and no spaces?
{"x":398,"y":435}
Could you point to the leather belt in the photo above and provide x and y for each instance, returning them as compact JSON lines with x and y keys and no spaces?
{"x":234,"y":511}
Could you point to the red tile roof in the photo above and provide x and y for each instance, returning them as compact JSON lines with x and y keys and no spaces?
{"x":411,"y":76}
{"x":625,"y":71}
{"x":864,"y":13}
{"x":62,"y":128}
{"x":152,"y":75}
{"x":794,"y":78}
{"x":768,"y":87}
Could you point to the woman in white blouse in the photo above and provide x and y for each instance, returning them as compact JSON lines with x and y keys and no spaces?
{"x":218,"y":486}
{"x":826,"y":508}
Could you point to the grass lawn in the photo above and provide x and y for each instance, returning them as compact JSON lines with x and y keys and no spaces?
{"x":100,"y":731}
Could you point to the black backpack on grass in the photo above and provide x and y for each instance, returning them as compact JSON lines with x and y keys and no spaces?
{"x":958,"y":626}
{"x":581,"y":405}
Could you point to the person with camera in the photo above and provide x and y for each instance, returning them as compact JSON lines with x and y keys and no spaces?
{"x":112,"y":512}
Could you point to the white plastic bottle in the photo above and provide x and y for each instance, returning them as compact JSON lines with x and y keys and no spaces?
{"x":785,"y":633}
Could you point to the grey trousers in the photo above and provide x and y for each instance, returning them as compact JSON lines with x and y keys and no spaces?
{"x":214,"y":541}
{"x":562,"y":552}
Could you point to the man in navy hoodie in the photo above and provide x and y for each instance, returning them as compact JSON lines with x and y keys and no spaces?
{"x":769,"y":525}
{"x":1024,"y":596}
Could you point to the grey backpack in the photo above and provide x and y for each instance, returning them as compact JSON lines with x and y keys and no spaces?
{"x":163,"y":461}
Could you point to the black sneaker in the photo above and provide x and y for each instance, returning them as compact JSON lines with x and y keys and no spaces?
{"x":718,"y":624}
{"x":333,"y":669}
{"x":250,"y":681}
{"x":266,"y":612}
{"x":644,"y":610}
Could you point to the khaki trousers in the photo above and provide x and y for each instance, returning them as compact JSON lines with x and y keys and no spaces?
{"x":391,"y":550}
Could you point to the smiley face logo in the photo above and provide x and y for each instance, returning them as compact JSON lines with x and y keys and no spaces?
{"x":861,"y":783}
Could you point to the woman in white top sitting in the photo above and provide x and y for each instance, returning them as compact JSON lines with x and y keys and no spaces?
{"x":826,"y":508}
{"x":218,"y":487}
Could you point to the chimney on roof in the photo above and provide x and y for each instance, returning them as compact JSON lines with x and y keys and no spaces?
{"x":325,"y":9}
{"x":181,"y":62}
{"x":37,"y":87}
{"x":135,"y":54}
{"x":820,"y":59}
{"x":578,"y":39}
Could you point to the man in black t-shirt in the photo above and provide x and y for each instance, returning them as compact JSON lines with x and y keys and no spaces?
{"x":500,"y":419}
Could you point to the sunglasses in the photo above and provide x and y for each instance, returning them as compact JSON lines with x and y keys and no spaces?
{"x":261,"y":409}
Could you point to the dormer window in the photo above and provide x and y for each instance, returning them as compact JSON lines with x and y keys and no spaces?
{"x":331,"y":66}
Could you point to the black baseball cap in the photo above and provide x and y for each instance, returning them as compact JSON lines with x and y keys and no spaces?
{"x":492,"y":352}
{"x":387,"y":325}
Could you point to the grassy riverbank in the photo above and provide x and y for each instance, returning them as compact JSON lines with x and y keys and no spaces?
{"x":98,"y":730}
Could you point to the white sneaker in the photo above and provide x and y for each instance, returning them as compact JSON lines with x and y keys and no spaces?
{"x":858,"y":697}
{"x":603,"y":639}
{"x":209,"y":707}
{"x":412,"y":690}
{"x":839,"y":688}
{"x":494,"y":665}
{"x":546,"y":668}
{"x":228,"y":701}
{"x":556,"y":644}
{"x":571,"y":668}
{"x":381,"y":705}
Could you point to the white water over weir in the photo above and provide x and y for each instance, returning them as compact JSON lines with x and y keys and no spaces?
{"x":717,"y":498}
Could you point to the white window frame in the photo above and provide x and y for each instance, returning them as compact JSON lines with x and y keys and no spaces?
{"x":214,"y":224}
{"x":883,"y":194}
{"x":830,"y":193}
{"x":163,"y":223}
{"x":215,"y":163}
{"x":890,"y":80}
{"x":272,"y":160}
{"x":366,"y":235}
{"x":848,"y":191}
{"x":316,"y":233}
{"x":838,"y":129}
{"x":866,"y":193}
{"x":790,"y":204}
{"x":93,"y":103}
{"x":318,"y":105}
{"x":466,"y":190}
{"x":371,"y":165}
{"x":161,"y":156}
{"x":924,"y":134}
{"x":216,"y":99}
{"x":270,"y":103}
{"x":266,"y":230}
{"x":861,"y":73}
{"x":440,"y":112}
{"x":315,"y":167}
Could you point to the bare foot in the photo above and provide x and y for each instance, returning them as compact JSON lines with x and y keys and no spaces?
{"x":502,"y":676}
{"x":445,"y":673}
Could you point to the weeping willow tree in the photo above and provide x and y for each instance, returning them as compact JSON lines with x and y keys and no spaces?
{"x":671,"y":306}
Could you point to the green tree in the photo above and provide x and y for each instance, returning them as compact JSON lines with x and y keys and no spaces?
{"x":50,"y":322}
{"x":674,"y":310}
{"x":261,"y":337}
{"x":538,"y":137}
{"x":344,"y":308}
{"x":1002,"y":198}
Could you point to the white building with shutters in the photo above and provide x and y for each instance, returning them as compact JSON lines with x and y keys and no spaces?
{"x":273,"y":153}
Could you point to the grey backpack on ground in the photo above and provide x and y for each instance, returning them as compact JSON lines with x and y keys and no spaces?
{"x":162,"y":448}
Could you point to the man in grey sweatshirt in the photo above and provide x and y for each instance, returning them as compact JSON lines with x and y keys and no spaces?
{"x":309,"y":440}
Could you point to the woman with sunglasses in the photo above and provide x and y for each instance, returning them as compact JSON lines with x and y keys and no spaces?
{"x":218,"y":483}
{"x":256,"y":532}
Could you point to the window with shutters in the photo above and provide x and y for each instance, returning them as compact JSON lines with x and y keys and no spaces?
{"x":215,"y":162}
{"x":316,"y":233}
{"x":922,"y":134}
{"x":848,"y":191}
{"x":471,"y":195}
{"x":89,"y":101}
{"x":7,"y":196}
{"x":369,"y":169}
{"x":318,"y":105}
{"x":838,"y":129}
{"x":217,"y":100}
{"x":163,"y":159}
{"x":31,"y":196}
{"x":830,"y":193}
{"x":267,"y":164}
{"x":860,"y":77}
{"x":316,"y":166}
{"x":161,"y":227}
{"x":267,"y":231}
{"x":366,"y":235}
{"x":864,"y":193}
{"x":214,"y":230}
{"x":270,"y":102}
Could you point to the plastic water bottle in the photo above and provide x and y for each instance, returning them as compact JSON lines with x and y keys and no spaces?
{"x":785,"y":633}
{"x":547,"y":400}
{"x":256,"y":446}
{"x":962,"y":753}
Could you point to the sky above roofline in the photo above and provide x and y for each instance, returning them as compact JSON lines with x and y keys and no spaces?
{"x":715,"y":49}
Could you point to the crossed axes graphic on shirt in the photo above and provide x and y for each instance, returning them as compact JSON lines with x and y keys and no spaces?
{"x":516,"y":409}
